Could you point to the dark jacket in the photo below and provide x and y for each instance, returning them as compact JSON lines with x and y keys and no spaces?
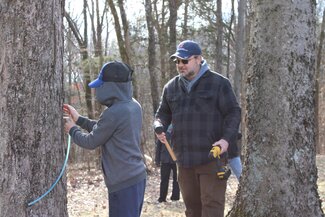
{"x":162,"y":155}
{"x":206,"y":114}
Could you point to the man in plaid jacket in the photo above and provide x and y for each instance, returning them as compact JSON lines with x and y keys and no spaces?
{"x":204,"y":112}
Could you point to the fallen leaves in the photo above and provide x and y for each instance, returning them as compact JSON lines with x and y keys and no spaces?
{"x":87,"y":194}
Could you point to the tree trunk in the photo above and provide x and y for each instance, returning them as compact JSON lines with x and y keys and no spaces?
{"x":219,"y":55}
{"x":185,"y":33}
{"x":152,"y":56}
{"x":229,"y":37}
{"x":173,"y":7}
{"x":280,"y":174}
{"x":119,"y":36}
{"x":31,"y":82}
{"x":161,"y":29}
{"x":240,"y":48}
{"x":320,"y":147}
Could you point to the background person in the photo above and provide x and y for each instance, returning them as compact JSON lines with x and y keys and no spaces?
{"x":166,"y":164}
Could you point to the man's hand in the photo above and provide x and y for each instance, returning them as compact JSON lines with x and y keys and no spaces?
{"x":215,"y":152}
{"x":72,"y":112}
{"x":223,"y":144}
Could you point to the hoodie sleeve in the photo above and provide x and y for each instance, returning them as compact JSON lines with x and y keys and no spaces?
{"x":97,"y":136}
{"x":86,"y":123}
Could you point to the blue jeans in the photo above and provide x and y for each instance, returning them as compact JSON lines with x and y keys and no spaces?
{"x":127,"y":202}
{"x":235,"y":166}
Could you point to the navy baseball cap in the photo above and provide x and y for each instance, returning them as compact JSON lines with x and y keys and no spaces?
{"x":114,"y":71}
{"x":186,"y":49}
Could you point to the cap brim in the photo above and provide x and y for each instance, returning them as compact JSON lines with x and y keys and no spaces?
{"x":181,"y":54}
{"x":95,"y":83}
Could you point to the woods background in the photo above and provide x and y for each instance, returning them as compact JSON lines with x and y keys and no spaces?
{"x":144,"y":34}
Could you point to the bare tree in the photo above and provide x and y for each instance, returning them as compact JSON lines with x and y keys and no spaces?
{"x":152,"y":57}
{"x":161,"y":28}
{"x":118,"y":30}
{"x":240,"y":48}
{"x":230,"y":36}
{"x":31,"y":97}
{"x":280,"y":174}
{"x":173,"y":6}
{"x":219,"y":40}
{"x":82,"y":40}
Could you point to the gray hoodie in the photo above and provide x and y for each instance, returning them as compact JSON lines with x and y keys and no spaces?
{"x":118,"y":132}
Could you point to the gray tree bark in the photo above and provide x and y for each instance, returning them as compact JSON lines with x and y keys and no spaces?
{"x":320,"y":144}
{"x":31,"y":96}
{"x":240,"y":49}
{"x":219,"y":40}
{"x":152,"y":57}
{"x":280,"y":174}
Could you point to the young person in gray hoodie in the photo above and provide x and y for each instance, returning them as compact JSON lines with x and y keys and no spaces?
{"x":118,"y":132}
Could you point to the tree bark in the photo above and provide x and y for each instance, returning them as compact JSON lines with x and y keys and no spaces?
{"x":161,"y":29}
{"x":320,"y":146}
{"x":240,"y":48}
{"x":219,"y":54}
{"x":31,"y":97}
{"x":152,"y":61}
{"x":173,"y":7}
{"x":280,"y":174}
{"x":118,"y":30}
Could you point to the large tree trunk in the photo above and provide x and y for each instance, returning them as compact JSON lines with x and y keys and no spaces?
{"x":280,"y":174}
{"x":320,"y":146}
{"x":31,"y":97}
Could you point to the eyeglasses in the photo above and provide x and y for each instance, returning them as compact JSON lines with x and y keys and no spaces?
{"x":184,"y":61}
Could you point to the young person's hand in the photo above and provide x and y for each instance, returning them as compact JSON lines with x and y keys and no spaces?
{"x":68,"y":124}
{"x":72,"y":112}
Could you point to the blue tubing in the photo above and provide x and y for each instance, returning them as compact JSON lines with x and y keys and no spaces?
{"x":59,"y":177}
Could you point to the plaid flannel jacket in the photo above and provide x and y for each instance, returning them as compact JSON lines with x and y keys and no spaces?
{"x":208,"y":113}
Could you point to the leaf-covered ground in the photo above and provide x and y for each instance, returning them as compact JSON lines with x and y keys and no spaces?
{"x":87,"y":194}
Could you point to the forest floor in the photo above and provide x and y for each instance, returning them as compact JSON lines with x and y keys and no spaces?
{"x":87,"y":194}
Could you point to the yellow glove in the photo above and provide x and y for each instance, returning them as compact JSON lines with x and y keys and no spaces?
{"x":215,"y":152}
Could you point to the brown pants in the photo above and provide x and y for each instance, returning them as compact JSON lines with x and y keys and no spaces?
{"x":203,"y":193}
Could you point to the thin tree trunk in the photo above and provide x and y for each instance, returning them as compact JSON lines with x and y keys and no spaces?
{"x":229,"y":37}
{"x":173,"y":7}
{"x":219,"y":54}
{"x":152,"y":56}
{"x":118,"y":30}
{"x":162,"y":40}
{"x":240,"y":49}
{"x":185,"y":20}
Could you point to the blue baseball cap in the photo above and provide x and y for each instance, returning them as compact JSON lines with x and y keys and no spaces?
{"x":114,"y":71}
{"x":186,"y":49}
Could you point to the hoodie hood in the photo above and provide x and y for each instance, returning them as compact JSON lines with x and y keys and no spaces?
{"x":110,"y":93}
